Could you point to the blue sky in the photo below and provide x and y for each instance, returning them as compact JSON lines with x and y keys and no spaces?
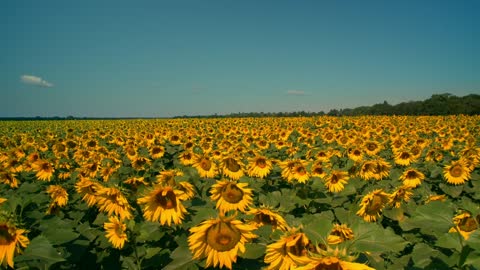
{"x":168,"y":58}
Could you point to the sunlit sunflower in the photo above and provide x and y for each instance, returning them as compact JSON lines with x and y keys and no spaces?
{"x":163,"y":205}
{"x":232,"y":167}
{"x":287,"y":168}
{"x":372,"y":148}
{"x":116,"y":232}
{"x":381,"y":169}
{"x":2,"y":200}
{"x":88,"y":190}
{"x":465,"y":224}
{"x":318,"y":170}
{"x":12,"y":240}
{"x":90,"y":169}
{"x":401,"y":194}
{"x":333,"y":263}
{"x":367,"y":170}
{"x":140,"y":163}
{"x":259,"y":166}
{"x":404,"y":158}
{"x":186,"y":158}
{"x":267,"y":216}
{"x":456,"y":172}
{"x":112,"y":201}
{"x":339,"y":234}
{"x":434,"y":155}
{"x":372,"y":205}
{"x":355,"y":154}
{"x":8,"y":178}
{"x":433,"y":198}
{"x":288,"y":252}
{"x":44,"y":169}
{"x":300,"y":172}
{"x":220,"y":240}
{"x":412,"y":177}
{"x":59,"y":197}
{"x":156,"y":151}
{"x":336,"y":180}
{"x":205,"y":166}
{"x":230,"y":195}
{"x":136,"y":181}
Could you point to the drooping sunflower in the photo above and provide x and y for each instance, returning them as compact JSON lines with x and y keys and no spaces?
{"x":8,"y":178}
{"x":232,"y":167}
{"x":112,"y":201}
{"x":336,"y":180}
{"x":44,"y":170}
{"x":466,"y":224}
{"x":12,"y":240}
{"x":116,"y":232}
{"x":412,"y":177}
{"x":287,"y":168}
{"x":339,"y":234}
{"x":367,"y":170}
{"x":288,"y":252}
{"x":231,"y":195}
{"x":456,"y":172}
{"x":404,"y":158}
{"x":163,"y":205}
{"x":372,"y":205}
{"x":381,"y":169}
{"x":220,"y":240}
{"x":205,"y":166}
{"x":433,"y":198}
{"x":259,"y":167}
{"x":88,"y":189}
{"x":401,"y":194}
{"x":267,"y":216}
{"x":59,"y":197}
{"x":333,"y":263}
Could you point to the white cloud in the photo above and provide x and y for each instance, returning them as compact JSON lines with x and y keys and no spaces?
{"x":296,"y":92}
{"x":34,"y":80}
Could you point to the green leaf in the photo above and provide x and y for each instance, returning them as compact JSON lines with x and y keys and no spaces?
{"x":182,"y":259}
{"x":422,"y":254}
{"x":370,"y":237}
{"x":434,"y":217}
{"x":149,"y":231}
{"x":272,"y":199}
{"x":152,"y":252}
{"x":473,"y":260}
{"x":88,"y":232}
{"x":253,"y":251}
{"x":474,"y":240}
{"x":450,"y":241}
{"x":40,"y":249}
{"x":317,"y":227}
{"x":453,"y":191}
{"x":59,"y":236}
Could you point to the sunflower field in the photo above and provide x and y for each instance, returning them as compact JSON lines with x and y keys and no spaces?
{"x":369,"y":192}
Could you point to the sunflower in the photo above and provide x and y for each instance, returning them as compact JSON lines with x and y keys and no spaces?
{"x":112,"y":201}
{"x":156,"y":151}
{"x":336,"y":180}
{"x":339,"y":234}
{"x":318,"y":170}
{"x":140,"y":163}
{"x":266,"y":216}
{"x":88,"y":189}
{"x":232,"y":167}
{"x":116,"y":232}
{"x":433,"y":198}
{"x":401,"y":194}
{"x":59,"y":197}
{"x":230,"y":195}
{"x":412,"y":177}
{"x":465,"y":224}
{"x":163,"y":205}
{"x":456,"y":172}
{"x":220,"y":240}
{"x":288,"y":252}
{"x":372,"y":148}
{"x":90,"y":169}
{"x":259,"y":167}
{"x":300,"y":172}
{"x":44,"y":169}
{"x":2,"y":200}
{"x":206,"y":168}
{"x":372,"y":205}
{"x":186,"y":158}
{"x":367,"y":170}
{"x":404,"y":158}
{"x":8,"y":178}
{"x":381,"y":169}
{"x":287,"y":168}
{"x":355,"y":154}
{"x":12,"y":240}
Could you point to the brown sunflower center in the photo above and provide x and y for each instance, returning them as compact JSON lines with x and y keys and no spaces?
{"x":156,"y":150}
{"x":223,"y":236}
{"x":232,"y":165}
{"x":456,"y":171}
{"x":334,"y":179}
{"x":46,"y":166}
{"x":231,"y":193}
{"x":468,"y":224}
{"x":301,"y":170}
{"x":331,"y":263}
{"x":318,"y":170}
{"x":205,"y":164}
{"x":5,"y":237}
{"x":371,"y":146}
{"x":261,"y":162}
{"x":92,"y":144}
{"x":412,"y":175}
{"x":167,"y":199}
{"x":265,"y":219}
{"x":404,"y":155}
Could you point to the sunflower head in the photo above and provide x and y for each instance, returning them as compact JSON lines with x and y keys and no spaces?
{"x":12,"y":240}
{"x":457,"y":172}
{"x":231,"y":195}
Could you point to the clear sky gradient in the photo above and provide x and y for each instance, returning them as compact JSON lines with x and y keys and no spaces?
{"x":168,"y":58}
